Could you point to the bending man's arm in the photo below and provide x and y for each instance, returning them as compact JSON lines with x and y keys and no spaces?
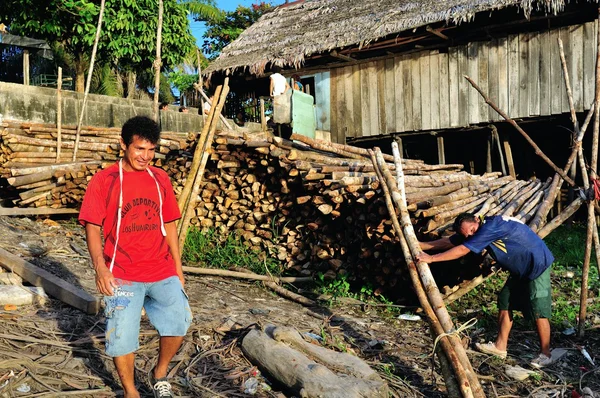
{"x":105,"y":281}
{"x":452,"y":254}
{"x":173,"y":242}
{"x":440,"y":244}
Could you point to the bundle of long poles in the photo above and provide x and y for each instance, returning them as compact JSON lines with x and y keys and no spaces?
{"x":538,"y":223}
{"x":454,"y":354}
{"x":189,"y":196}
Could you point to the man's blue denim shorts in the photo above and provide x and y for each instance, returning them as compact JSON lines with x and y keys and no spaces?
{"x":166,"y":305}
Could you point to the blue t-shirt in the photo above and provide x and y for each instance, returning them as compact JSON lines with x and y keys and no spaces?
{"x":513,"y":245}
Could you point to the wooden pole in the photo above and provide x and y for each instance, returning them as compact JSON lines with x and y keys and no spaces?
{"x":509,"y":158}
{"x":488,"y":159}
{"x":26,"y":67}
{"x":221,"y":117}
{"x":58,"y":114}
{"x":496,"y":137}
{"x":190,"y":208}
{"x":591,"y":216}
{"x":440,"y":148}
{"x":157,"y":61}
{"x":263,"y":120}
{"x":89,"y":79}
{"x":537,"y":149}
{"x":189,"y":183}
{"x":463,"y":384}
{"x":433,"y":293}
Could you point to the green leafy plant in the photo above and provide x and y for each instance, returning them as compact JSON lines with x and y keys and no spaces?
{"x":207,"y":249}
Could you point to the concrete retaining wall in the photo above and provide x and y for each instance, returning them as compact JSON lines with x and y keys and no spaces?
{"x":38,"y":104}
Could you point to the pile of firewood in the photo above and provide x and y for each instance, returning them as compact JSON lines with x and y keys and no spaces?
{"x":319,"y":205}
{"x":311,"y":204}
{"x":38,"y":176}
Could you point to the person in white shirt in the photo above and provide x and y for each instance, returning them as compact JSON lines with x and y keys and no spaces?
{"x":279,"y":84}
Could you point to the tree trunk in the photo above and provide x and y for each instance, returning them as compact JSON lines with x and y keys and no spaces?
{"x":80,"y":67}
{"x":131,"y":80}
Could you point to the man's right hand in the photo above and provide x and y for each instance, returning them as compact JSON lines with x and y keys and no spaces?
{"x":105,"y":281}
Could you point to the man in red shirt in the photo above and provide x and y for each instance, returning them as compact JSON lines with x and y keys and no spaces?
{"x":132,"y":206}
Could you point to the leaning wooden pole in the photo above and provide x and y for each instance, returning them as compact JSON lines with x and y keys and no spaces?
{"x":542,"y":212}
{"x":58,"y":114}
{"x":591,"y":216}
{"x":448,"y":352}
{"x":435,"y":298}
{"x":189,"y":182}
{"x":89,"y":80}
{"x":536,"y":148}
{"x":191,"y":206}
{"x":584,"y":174}
{"x":157,"y":61}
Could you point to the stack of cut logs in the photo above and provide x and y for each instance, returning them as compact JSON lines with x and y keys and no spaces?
{"x":313,"y":205}
{"x":318,"y":206}
{"x":38,"y":177}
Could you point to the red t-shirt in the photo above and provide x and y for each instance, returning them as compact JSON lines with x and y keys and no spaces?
{"x":142,"y":253}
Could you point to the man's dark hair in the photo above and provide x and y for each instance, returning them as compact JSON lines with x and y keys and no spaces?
{"x":276,"y":69}
{"x":464,"y":217}
{"x":163,"y":105}
{"x":143,"y":127}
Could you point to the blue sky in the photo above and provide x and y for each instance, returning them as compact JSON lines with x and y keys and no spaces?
{"x":198,"y":28}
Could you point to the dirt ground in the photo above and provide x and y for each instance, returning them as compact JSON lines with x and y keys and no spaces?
{"x":55,"y":350}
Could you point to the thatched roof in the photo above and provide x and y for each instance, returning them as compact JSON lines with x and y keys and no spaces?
{"x":291,"y":33}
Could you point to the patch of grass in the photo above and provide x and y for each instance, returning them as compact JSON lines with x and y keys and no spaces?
{"x":207,"y":249}
{"x":567,"y":243}
{"x":341,"y":287}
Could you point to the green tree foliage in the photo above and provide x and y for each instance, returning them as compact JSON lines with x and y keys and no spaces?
{"x":128,"y":34}
{"x":220,"y":32}
{"x":182,"y":81}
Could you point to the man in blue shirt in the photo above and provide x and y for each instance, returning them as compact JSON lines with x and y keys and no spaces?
{"x":517,"y":249}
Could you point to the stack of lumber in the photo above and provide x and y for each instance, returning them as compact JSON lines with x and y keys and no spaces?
{"x":311,"y":207}
{"x":314,"y":205}
{"x":37,"y":177}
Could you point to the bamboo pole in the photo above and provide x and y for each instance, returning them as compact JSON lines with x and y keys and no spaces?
{"x":463,"y":384}
{"x":263,"y":120}
{"x":433,"y":293}
{"x":190,"y":208}
{"x":189,"y":183}
{"x":543,"y":210}
{"x":221,"y":117}
{"x":591,"y":216}
{"x":58,"y":113}
{"x":89,"y":79}
{"x":537,"y":149}
{"x":157,"y":61}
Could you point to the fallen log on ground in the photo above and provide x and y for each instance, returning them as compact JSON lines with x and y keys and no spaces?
{"x":309,"y":376}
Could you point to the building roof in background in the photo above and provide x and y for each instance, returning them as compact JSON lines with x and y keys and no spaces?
{"x":293,"y":32}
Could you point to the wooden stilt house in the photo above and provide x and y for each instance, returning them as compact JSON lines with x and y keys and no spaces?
{"x":395,"y":67}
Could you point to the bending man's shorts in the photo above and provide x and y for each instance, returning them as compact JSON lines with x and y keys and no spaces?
{"x":532,"y":298}
{"x":166,"y":305}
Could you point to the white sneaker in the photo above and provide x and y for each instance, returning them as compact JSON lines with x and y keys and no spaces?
{"x":490,"y":348}
{"x":162,"y":388}
{"x":542,"y":360}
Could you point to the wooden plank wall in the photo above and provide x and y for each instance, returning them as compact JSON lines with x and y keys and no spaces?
{"x":426,"y":90}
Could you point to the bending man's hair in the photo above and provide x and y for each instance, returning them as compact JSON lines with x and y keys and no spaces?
{"x":461,"y":218}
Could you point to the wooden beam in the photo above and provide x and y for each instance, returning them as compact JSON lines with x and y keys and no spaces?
{"x":488,"y":159}
{"x":440,"y":148}
{"x":509,"y":158}
{"x":335,"y":54}
{"x":26,"y":67}
{"x":53,"y":285}
{"x":16,"y":211}
{"x":436,"y":32}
